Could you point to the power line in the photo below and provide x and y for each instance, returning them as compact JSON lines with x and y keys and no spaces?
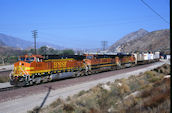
{"x":155,"y":12}
{"x":34,"y":32}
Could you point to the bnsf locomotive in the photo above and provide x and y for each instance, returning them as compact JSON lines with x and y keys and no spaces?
{"x":34,"y":69}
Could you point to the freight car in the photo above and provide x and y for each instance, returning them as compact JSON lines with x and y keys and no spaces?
{"x":146,"y":57}
{"x":34,"y":69}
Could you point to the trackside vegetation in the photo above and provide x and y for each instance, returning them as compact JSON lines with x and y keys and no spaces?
{"x":147,"y":92}
{"x":11,"y":56}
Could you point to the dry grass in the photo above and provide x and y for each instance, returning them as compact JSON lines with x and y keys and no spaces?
{"x":152,"y":99}
{"x":68,"y":108}
{"x":81,"y":93}
{"x":165,"y":69}
{"x":148,"y":93}
{"x":56,"y":103}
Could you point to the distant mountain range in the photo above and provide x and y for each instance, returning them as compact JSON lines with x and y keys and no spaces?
{"x":1,"y":43}
{"x":143,"y":40}
{"x":140,"y":40}
{"x":14,"y":42}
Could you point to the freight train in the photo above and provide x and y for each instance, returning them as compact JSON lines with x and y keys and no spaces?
{"x":35,"y":69}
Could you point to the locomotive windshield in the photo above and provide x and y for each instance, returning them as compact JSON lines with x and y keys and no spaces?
{"x":89,"y":57}
{"x":28,"y":59}
{"x":22,"y":59}
{"x":31,"y":58}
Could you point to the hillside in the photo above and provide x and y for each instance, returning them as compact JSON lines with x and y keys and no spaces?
{"x":129,"y":37}
{"x":14,"y":42}
{"x":1,"y":43}
{"x":148,"y":92}
{"x":152,"y":41}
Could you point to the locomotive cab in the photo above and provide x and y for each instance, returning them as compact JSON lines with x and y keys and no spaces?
{"x":89,"y":58}
{"x":31,"y":58}
{"x":21,"y":72}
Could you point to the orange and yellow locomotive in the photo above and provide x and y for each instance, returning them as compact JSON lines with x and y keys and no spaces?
{"x":34,"y":69}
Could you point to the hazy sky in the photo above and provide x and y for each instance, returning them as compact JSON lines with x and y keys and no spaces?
{"x":80,"y":23}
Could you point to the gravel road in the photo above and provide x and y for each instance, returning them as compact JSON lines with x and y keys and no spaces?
{"x":5,"y":73}
{"x":6,"y":67}
{"x":24,"y":99}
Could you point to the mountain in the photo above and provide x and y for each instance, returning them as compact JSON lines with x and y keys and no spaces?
{"x":1,"y":43}
{"x":39,"y":44}
{"x":14,"y":42}
{"x":129,"y":37}
{"x":152,"y":41}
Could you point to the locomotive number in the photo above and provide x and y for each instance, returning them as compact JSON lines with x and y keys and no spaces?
{"x":59,"y":64}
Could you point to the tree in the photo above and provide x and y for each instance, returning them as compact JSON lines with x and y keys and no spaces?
{"x":68,"y":52}
{"x":51,"y":51}
{"x":31,"y":51}
{"x":2,"y":59}
{"x":43,"y":50}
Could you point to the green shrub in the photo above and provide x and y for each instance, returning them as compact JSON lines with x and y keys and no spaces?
{"x":69,"y":108}
{"x":150,"y":74}
{"x":56,"y":103}
{"x":35,"y":110}
{"x":154,"y":79}
{"x":134,"y":85}
{"x":4,"y":79}
{"x":68,"y":98}
{"x":81,"y":93}
{"x":87,"y":101}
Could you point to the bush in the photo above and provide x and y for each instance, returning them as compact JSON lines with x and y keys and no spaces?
{"x":165,"y":69}
{"x":154,"y":79}
{"x":69,"y":108}
{"x":87,"y":101}
{"x":150,"y":74}
{"x":68,"y":52}
{"x":68,"y":98}
{"x":134,"y":85}
{"x":81,"y":93}
{"x":141,"y":82}
{"x":4,"y":79}
{"x":35,"y":110}
{"x":56,"y":103}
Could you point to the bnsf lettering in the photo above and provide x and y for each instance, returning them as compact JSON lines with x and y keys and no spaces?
{"x":104,"y":60}
{"x":38,"y":65}
{"x":59,"y":64}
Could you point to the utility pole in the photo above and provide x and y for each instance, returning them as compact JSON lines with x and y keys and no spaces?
{"x":104,"y":45}
{"x":34,"y":33}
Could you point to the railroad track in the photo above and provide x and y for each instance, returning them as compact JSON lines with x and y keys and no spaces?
{"x":1,"y":71}
{"x":5,"y":72}
{"x":13,"y":93}
{"x":9,"y":88}
{"x":14,"y":87}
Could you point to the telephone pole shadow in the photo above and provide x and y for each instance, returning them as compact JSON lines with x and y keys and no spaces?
{"x":45,"y":98}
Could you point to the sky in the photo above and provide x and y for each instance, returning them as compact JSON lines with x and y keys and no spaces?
{"x":80,"y":23}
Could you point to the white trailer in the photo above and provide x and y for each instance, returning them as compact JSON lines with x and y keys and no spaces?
{"x":168,"y":57}
{"x":145,"y":56}
{"x":157,"y":55}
